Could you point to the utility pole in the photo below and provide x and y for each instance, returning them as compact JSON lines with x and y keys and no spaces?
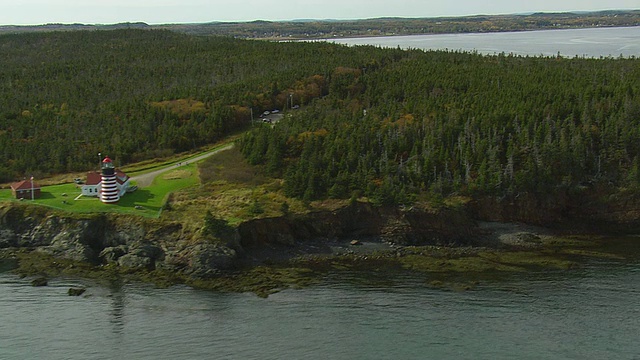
{"x":32,"y":196}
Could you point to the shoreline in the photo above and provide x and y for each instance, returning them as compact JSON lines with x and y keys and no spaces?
{"x":513,"y":248}
{"x":265,"y":255}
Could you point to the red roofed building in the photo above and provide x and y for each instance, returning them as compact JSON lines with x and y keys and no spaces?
{"x":25,"y":189}
{"x":92,"y":186}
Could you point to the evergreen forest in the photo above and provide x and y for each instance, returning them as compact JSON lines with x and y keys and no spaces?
{"x":440,"y":123}
{"x":392,"y":125}
{"x":143,"y":94}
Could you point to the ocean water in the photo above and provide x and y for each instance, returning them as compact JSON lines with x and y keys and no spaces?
{"x":592,"y":43}
{"x":588,"y":313}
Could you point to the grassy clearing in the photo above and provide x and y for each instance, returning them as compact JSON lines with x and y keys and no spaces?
{"x":232,"y":190}
{"x":59,"y":192}
{"x":223,"y":184}
{"x":149,"y":201}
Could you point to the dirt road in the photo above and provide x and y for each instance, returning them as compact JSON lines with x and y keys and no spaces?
{"x":145,"y":180}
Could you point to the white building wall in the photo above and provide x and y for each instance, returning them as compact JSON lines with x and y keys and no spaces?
{"x":123,"y":188}
{"x":91,"y":190}
{"x":94,"y":190}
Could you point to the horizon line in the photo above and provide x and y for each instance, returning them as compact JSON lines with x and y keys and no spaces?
{"x":140,"y":22}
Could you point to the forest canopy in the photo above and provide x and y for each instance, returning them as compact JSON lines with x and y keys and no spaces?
{"x":442,"y":123}
{"x":393,"y":125}
{"x":139,"y":94}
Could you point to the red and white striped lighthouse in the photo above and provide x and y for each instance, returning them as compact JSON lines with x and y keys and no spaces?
{"x":109,"y":193}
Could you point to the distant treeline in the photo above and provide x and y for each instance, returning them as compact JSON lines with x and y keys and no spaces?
{"x":375,"y":27}
{"x":409,"y":26}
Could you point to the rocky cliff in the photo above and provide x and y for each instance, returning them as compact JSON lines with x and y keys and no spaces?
{"x":135,"y":242}
{"x":138,"y":243}
{"x":595,"y":211}
{"x":112,"y":239}
{"x":410,"y":226}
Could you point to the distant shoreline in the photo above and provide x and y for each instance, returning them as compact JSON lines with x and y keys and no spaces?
{"x":330,"y":29}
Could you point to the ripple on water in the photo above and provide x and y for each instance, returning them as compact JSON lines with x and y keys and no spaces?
{"x":586,"y":313}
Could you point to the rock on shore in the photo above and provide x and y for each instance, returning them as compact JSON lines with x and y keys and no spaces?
{"x":148,"y":244}
{"x":108,"y":239}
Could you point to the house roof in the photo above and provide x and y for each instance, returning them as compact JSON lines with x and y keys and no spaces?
{"x":24,"y":185}
{"x":93,"y":178}
{"x":121,"y":177}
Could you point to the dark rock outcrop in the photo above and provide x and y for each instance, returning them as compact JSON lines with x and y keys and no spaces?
{"x":110,"y":255}
{"x":39,"y":281}
{"x":76,"y":291}
{"x":8,"y":239}
{"x":208,"y":259}
{"x":407,"y":227}
{"x":602,"y":210}
{"x":102,"y":239}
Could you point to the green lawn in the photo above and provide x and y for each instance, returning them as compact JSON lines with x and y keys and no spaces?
{"x":149,"y":200}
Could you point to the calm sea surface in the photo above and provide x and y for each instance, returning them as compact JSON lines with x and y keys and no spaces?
{"x":587,"y":313}
{"x":575,"y":42}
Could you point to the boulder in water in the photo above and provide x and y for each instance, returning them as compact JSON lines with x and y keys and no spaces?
{"x":76,"y":291}
{"x":40,"y":281}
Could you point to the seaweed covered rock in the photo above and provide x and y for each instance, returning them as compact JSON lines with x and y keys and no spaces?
{"x":39,"y":281}
{"x":135,"y":262}
{"x":8,"y":239}
{"x":110,"y":255}
{"x":140,"y":255}
{"x":78,"y":240}
{"x":76,"y":291}
{"x":206,"y":260}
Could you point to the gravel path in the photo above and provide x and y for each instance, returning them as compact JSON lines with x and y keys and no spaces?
{"x":145,"y":180}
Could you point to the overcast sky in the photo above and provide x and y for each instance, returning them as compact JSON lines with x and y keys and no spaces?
{"x":23,"y":12}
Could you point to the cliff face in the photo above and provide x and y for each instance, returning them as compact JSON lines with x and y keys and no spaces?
{"x":153,"y":244}
{"x":110,"y":239}
{"x":405,"y":227}
{"x":598,"y":211}
{"x":150,"y":244}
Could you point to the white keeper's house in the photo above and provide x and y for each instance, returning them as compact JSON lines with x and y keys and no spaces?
{"x":109,"y":184}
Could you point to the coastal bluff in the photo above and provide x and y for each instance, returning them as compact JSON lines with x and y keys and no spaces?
{"x":139,"y":243}
{"x":148,"y":244}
